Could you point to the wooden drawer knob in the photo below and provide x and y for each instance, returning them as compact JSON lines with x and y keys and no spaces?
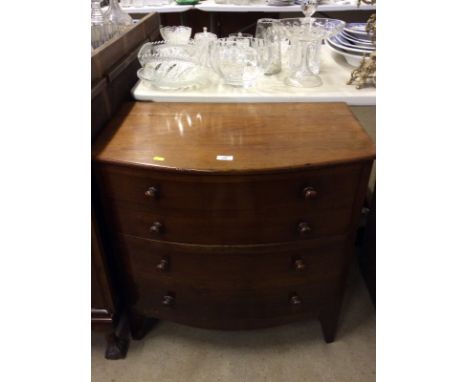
{"x":309,"y":193}
{"x":168,"y":300}
{"x":295,"y":299}
{"x":152,"y":192}
{"x":157,"y":227}
{"x":163,"y":265}
{"x":304,"y":228}
{"x":299,"y":265}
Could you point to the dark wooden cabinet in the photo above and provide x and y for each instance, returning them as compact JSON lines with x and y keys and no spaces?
{"x":106,"y":309}
{"x":232,"y":216}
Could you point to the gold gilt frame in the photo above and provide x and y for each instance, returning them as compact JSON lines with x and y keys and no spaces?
{"x":365,"y":74}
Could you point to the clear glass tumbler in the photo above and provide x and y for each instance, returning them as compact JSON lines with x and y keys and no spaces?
{"x":269,"y":31}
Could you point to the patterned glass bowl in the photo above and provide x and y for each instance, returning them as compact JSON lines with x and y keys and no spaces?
{"x":239,"y":60}
{"x":173,"y":74}
{"x":162,"y":50}
{"x":311,"y":27}
{"x":176,"y":34}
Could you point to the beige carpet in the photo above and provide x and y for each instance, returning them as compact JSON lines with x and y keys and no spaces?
{"x":291,"y":353}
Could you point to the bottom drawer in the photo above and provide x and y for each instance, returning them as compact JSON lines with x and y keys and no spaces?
{"x":227,"y":287}
{"x":235,"y":310}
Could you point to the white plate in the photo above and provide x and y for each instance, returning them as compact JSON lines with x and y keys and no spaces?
{"x":355,"y":39}
{"x":342,"y":40}
{"x":351,"y":59}
{"x":358,"y":30}
{"x":337,"y":44}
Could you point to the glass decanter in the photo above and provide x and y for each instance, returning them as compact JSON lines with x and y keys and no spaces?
{"x":100,"y":27}
{"x":119,"y":19}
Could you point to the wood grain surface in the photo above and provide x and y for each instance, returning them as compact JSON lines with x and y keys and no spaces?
{"x":258,"y":137}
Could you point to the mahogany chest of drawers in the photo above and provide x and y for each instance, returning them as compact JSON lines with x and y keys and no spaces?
{"x":232,"y":216}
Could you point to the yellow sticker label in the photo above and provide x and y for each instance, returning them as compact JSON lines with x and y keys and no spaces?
{"x":158,"y":158}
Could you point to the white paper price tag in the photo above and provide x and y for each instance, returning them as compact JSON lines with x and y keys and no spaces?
{"x":225,"y":157}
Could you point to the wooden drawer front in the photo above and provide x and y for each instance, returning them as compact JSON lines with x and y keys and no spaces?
{"x":335,"y":188}
{"x":235,"y":227}
{"x":241,"y":309}
{"x":223,"y":268}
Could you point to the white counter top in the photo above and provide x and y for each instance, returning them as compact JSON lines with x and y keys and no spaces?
{"x":211,"y":6}
{"x":170,"y":8}
{"x":335,"y":72}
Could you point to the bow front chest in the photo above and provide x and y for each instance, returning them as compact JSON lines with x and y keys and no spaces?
{"x":232,"y":216}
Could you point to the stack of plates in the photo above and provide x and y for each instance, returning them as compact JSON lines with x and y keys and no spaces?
{"x":352,"y":43}
{"x":280,"y":2}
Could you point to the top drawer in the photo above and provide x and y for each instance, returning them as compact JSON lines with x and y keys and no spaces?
{"x":320,"y":189}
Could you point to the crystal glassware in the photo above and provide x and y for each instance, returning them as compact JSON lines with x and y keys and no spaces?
{"x":240,"y":34}
{"x":163,"y":51}
{"x":101,"y":29}
{"x":269,"y":31}
{"x":173,"y":74}
{"x":309,"y":7}
{"x":176,"y":34}
{"x":119,"y":19}
{"x":305,"y":36}
{"x":203,"y":41}
{"x":239,"y":62}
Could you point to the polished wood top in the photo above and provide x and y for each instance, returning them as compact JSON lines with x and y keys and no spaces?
{"x":219,"y":138}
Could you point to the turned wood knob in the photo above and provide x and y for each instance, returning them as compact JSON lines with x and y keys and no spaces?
{"x":303,"y":228}
{"x":157,"y":227}
{"x":295,"y":300}
{"x":309,"y":193}
{"x":163,"y":265}
{"x":168,"y":300}
{"x":152,"y":192}
{"x":299,"y":265}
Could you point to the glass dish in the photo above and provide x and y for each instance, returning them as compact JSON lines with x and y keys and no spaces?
{"x":162,"y":50}
{"x":305,"y":36}
{"x":239,"y":61}
{"x":173,"y":75}
{"x":176,"y":34}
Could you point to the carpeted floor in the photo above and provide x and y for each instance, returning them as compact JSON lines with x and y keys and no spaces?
{"x":291,"y":353}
